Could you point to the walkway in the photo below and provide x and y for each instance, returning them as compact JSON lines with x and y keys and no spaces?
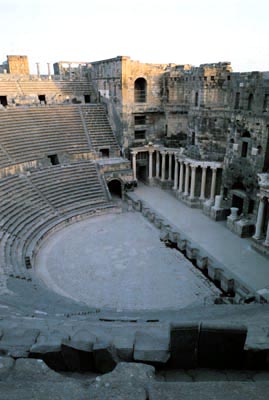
{"x":235,"y":253}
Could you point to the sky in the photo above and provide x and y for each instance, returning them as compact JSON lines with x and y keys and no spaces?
{"x":154,"y":31}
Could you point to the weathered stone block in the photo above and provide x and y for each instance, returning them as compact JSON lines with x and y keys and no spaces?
{"x":124,"y":346}
{"x":221,"y":345}
{"x":183,"y":345}
{"x":149,"y":348}
{"x":182,"y":244}
{"x":191,"y":252}
{"x":49,"y":348}
{"x":17,"y":342}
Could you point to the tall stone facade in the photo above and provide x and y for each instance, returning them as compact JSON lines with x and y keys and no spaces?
{"x":133,"y":93}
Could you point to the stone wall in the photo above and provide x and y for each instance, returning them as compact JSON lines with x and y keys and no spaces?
{"x":18,"y":65}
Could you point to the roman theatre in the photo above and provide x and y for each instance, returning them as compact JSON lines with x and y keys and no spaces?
{"x":134,"y":230}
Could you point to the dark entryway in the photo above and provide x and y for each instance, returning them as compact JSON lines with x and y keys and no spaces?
{"x":114,"y":187}
{"x":87,"y":98}
{"x":238,"y":202}
{"x":54,"y":159}
{"x":3,"y":100}
{"x":142,"y":173}
{"x":104,"y":152}
{"x":42,"y":99}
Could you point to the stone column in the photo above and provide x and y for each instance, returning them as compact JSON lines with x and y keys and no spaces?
{"x":218,"y":201}
{"x":187,"y":178}
{"x":163,"y":167}
{"x":193,"y":176}
{"x":134,"y":164}
{"x":176,"y":175}
{"x":259,"y":222}
{"x":181,"y":176}
{"x":70,"y":71}
{"x":213,"y":184}
{"x":49,"y":74}
{"x":170,"y":167}
{"x":150,"y":164}
{"x":38,"y":69}
{"x":157,"y":164}
{"x":203,"y":183}
{"x":266,"y":243}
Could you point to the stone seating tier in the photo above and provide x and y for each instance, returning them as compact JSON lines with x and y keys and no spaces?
{"x":39,"y":200}
{"x":21,"y":87}
{"x":32,"y":133}
{"x":29,"y":133}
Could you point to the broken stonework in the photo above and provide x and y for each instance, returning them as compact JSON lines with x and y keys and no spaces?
{"x":77,"y":351}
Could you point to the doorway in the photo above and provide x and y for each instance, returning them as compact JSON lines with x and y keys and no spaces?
{"x":3,"y":100}
{"x":238,"y":202}
{"x":42,"y":99}
{"x":115,"y":190}
{"x":87,"y":98}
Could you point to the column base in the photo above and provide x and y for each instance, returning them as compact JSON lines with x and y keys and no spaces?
{"x":190,"y":202}
{"x":259,"y":246}
{"x":256,"y":237}
{"x":242,"y":227}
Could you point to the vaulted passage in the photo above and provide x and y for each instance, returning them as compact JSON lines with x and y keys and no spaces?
{"x":114,"y":187}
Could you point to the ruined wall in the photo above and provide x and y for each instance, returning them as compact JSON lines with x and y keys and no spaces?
{"x":195,"y":100}
{"x":18,"y":65}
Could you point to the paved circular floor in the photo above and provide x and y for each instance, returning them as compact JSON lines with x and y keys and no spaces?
{"x":117,"y":261}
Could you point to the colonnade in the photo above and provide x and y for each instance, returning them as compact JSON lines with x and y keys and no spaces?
{"x":260,"y":223}
{"x":184,"y":173}
{"x":186,"y":182}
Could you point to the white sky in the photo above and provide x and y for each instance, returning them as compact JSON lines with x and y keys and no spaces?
{"x":155,"y":31}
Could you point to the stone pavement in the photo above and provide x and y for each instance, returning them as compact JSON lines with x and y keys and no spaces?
{"x":118,"y":262}
{"x":234,"y":252}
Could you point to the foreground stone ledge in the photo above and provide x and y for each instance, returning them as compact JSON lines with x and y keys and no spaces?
{"x":149,"y":348}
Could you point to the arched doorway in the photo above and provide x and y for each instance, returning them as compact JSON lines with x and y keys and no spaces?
{"x":140,"y":87}
{"x":115,"y":188}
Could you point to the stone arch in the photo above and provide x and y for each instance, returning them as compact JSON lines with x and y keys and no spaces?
{"x":115,"y":187}
{"x":140,"y":90}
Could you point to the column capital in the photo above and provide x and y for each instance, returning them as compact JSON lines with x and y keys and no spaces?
{"x":134,"y":153}
{"x":194,"y":166}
